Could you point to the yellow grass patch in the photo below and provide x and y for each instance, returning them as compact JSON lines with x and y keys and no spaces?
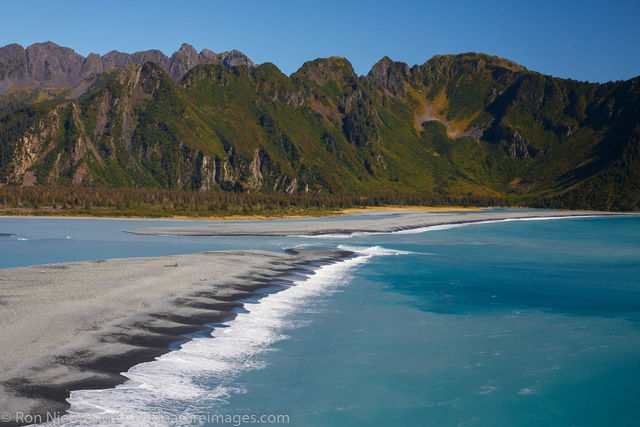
{"x":411,"y":208}
{"x":436,"y":110}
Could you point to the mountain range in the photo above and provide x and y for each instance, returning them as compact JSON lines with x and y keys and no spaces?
{"x":47,"y":65}
{"x":467,"y":125}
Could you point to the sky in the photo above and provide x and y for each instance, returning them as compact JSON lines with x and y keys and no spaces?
{"x":583,"y":40}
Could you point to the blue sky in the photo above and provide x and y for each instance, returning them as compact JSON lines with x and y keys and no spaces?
{"x":583,"y":40}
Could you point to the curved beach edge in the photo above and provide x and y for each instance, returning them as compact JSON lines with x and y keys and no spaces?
{"x":79,"y":325}
{"x":398,"y":221}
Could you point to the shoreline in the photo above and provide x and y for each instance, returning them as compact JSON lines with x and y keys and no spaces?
{"x":318,"y":214}
{"x":400,"y":221}
{"x":321,"y":214}
{"x":79,"y":325}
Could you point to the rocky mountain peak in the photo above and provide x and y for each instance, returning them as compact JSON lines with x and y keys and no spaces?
{"x":182,"y":61}
{"x":12,"y":63}
{"x":186,"y":48}
{"x":48,"y":65}
{"x":59,"y":66}
{"x":208,"y":54}
{"x":390,"y":75}
{"x":235,"y":58}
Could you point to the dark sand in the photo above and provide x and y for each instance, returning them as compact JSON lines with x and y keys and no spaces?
{"x":78,"y":325}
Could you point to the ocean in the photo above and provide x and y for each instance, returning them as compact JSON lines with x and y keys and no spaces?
{"x":508,"y":323}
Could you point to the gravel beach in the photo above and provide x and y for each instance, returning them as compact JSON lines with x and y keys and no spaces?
{"x":397,"y":222}
{"x":79,"y":325}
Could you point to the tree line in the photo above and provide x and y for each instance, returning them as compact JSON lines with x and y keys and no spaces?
{"x":106,"y":201}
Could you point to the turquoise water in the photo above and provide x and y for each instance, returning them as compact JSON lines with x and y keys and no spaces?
{"x":529,"y":323}
{"x":513,"y":323}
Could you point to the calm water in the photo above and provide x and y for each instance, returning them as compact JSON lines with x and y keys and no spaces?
{"x":515,"y":323}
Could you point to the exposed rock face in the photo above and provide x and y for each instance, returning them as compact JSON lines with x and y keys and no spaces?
{"x":13,"y":62}
{"x":92,"y":65}
{"x":152,"y":55}
{"x":186,"y":58}
{"x":34,"y":144}
{"x":115,"y":58}
{"x":58,"y":145}
{"x":182,"y":61}
{"x":474,"y":133}
{"x":392,"y":76}
{"x":515,"y":145}
{"x":255,"y":179}
{"x":55,"y":65}
{"x":234,"y":58}
{"x":47,"y":65}
{"x":207,"y":173}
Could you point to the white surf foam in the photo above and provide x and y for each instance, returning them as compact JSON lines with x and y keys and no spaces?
{"x":174,"y":380}
{"x":345,"y":235}
{"x":418,"y":230}
{"x":373,"y":250}
{"x":464,"y":224}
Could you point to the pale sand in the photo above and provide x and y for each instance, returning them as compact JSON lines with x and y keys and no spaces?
{"x":399,"y":221}
{"x":79,"y":325}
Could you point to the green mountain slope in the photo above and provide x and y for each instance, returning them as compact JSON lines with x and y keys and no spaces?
{"x":469,"y":125}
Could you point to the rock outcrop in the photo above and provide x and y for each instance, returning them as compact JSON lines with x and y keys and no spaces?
{"x":47,"y":65}
{"x":392,"y":76}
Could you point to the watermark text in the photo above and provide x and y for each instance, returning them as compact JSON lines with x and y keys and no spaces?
{"x":177,"y":419}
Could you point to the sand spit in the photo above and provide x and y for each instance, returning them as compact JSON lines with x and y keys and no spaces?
{"x":79,"y":325}
{"x":400,"y":221}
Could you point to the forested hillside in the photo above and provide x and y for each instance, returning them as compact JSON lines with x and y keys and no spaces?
{"x":465,"y":126}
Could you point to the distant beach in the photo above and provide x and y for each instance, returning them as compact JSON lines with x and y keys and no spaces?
{"x":399,"y":221}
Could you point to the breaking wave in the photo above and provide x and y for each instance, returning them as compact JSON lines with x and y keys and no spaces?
{"x":204,"y":368}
